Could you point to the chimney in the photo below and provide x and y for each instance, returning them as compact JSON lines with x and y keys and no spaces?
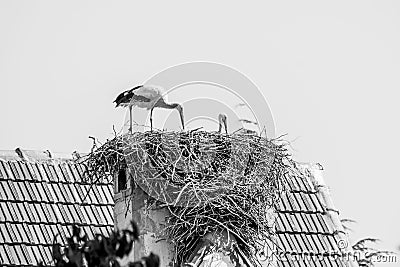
{"x":132,"y":203}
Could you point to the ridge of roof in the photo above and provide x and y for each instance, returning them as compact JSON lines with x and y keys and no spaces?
{"x":38,"y":155}
{"x":315,"y":171}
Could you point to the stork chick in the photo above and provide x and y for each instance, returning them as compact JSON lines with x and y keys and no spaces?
{"x":222,"y":120}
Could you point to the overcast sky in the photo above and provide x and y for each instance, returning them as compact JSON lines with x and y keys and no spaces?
{"x":330,"y":73}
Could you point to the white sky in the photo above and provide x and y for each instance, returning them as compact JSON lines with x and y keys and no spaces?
{"x":329,"y":71}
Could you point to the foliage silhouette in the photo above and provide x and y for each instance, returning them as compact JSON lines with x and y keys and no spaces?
{"x":101,"y":251}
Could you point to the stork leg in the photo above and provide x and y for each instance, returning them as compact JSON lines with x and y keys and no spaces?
{"x":130,"y":119}
{"x":151,"y":119}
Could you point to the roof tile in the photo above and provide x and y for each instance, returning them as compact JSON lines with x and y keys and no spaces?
{"x":58,"y":173}
{"x":108,"y":192}
{"x":46,"y":234}
{"x":29,"y":212}
{"x":30,"y":171}
{"x":289,"y":182}
{"x":300,"y":202}
{"x":6,"y":211}
{"x":302,"y":223}
{"x":66,"y":172}
{"x":66,"y":194}
{"x":32,"y":189}
{"x":42,"y":171}
{"x":36,"y":174}
{"x":23,"y":233}
{"x":48,"y":190}
{"x":3,"y":255}
{"x":39,"y":234}
{"x":41,"y":192}
{"x":3,"y":195}
{"x":323,"y":222}
{"x":47,"y":250}
{"x":79,"y":189}
{"x":32,"y":232}
{"x":6,"y":234}
{"x":3,"y":171}
{"x":14,"y":212}
{"x":49,"y":212}
{"x":317,"y":223}
{"x":108,"y":213}
{"x":98,"y":215}
{"x":28,"y":231}
{"x":307,"y":241}
{"x":279,"y":226}
{"x":15,"y":233}
{"x":18,"y":191}
{"x":294,"y":222}
{"x":317,"y":202}
{"x":315,"y":243}
{"x":299,"y":183}
{"x":25,"y":171}
{"x":331,"y":242}
{"x":62,"y":217}
{"x":74,"y":172}
{"x":62,"y":233}
{"x":43,"y":254}
{"x":12,"y":190}
{"x":28,"y":252}
{"x":15,"y":172}
{"x":73,"y":193}
{"x":36,"y":254}
{"x":2,"y":235}
{"x":38,"y":212}
{"x":12,"y":257}
{"x":308,"y":202}
{"x":58,"y":196}
{"x":49,"y":175}
{"x":310,"y":222}
{"x":301,"y":242}
{"x":82,"y":172}
{"x":21,"y":255}
{"x":9,"y":173}
{"x":81,"y":214}
{"x":90,"y":196}
{"x":24,"y":191}
{"x":7,"y":190}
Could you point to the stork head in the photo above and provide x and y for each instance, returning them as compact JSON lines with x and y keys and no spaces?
{"x":222,"y":119}
{"x":179,"y":108}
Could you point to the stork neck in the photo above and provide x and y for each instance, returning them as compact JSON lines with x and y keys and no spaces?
{"x":161,"y":104}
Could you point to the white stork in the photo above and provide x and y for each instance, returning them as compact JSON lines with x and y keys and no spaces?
{"x":222,"y":121}
{"x":146,"y":96}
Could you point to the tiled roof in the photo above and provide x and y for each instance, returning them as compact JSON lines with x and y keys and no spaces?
{"x":41,"y":197}
{"x":308,"y":224}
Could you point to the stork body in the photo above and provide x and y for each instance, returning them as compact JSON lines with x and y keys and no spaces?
{"x":148,"y":97}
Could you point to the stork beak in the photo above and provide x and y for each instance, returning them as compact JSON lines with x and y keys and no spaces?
{"x":180,"y":110}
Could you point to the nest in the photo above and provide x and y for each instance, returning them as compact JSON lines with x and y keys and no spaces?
{"x":207,"y":180}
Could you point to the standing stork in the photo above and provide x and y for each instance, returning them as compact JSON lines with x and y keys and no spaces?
{"x":222,"y":121}
{"x":149,"y":97}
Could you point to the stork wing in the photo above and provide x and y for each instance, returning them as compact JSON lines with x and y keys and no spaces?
{"x":129,"y":95}
{"x":152,"y":92}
